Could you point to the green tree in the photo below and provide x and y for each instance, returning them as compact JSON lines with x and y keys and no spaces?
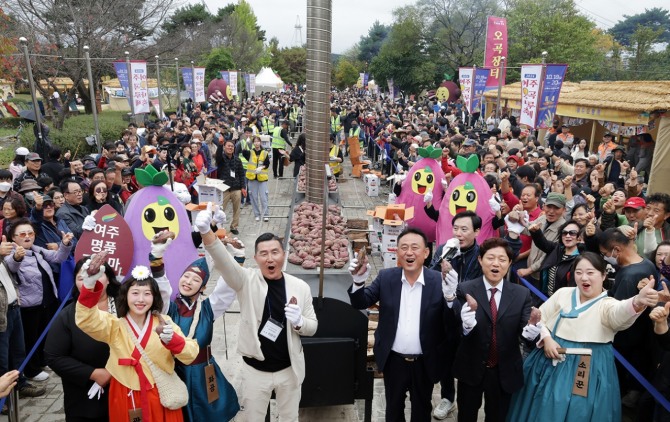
{"x":217,"y":60}
{"x":346,"y":74}
{"x":369,"y":45}
{"x":290,"y":64}
{"x":645,"y":62}
{"x":655,"y":19}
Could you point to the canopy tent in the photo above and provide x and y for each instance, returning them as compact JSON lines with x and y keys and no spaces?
{"x":622,"y":107}
{"x":268,"y":81}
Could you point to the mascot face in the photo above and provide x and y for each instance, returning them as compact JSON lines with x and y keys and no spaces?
{"x":463,"y":198}
{"x":442,"y":93}
{"x":423,"y":181}
{"x":159,"y":216}
{"x":229,"y":93}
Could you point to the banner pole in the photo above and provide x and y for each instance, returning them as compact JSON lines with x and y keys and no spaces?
{"x":176,"y":63}
{"x":500,"y":84}
{"x":130,"y":86}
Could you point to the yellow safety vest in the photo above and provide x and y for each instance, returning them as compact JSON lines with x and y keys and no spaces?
{"x":245,"y":147}
{"x":254,"y":161}
{"x":335,"y":166}
{"x":357,"y":133}
{"x":277,"y":141}
{"x":334,"y":124}
{"x":293,"y":115}
{"x":267,"y":125}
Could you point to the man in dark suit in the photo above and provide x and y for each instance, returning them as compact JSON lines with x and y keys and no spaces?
{"x":493,"y":314}
{"x":411,"y":336}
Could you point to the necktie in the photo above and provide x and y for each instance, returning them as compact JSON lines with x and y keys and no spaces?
{"x":493,"y":348}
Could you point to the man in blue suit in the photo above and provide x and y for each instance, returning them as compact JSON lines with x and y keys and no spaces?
{"x":411,"y":336}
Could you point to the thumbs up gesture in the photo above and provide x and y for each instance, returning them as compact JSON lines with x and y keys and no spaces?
{"x":6,"y":247}
{"x":660,"y":317}
{"x":648,"y":296}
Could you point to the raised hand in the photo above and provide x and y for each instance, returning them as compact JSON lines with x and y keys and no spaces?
{"x":648,"y":296}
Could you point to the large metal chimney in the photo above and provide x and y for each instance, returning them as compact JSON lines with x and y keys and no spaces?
{"x":317,"y":107}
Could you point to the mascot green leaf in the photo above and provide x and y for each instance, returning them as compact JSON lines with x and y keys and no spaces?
{"x":149,"y":176}
{"x":468,"y":165}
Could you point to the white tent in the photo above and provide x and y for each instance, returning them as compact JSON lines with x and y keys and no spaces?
{"x":267,"y":81}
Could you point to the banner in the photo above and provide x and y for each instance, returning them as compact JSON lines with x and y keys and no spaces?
{"x":531,"y":86}
{"x":199,"y":89}
{"x":478,"y":88}
{"x":187,"y":75}
{"x":232,"y":75}
{"x":393,"y":90}
{"x":252,"y":83}
{"x":246,"y":82}
{"x":225,"y":76}
{"x":551,"y":89}
{"x":141,"y":102}
{"x":122,"y":74}
{"x":496,"y":49}
{"x":465,"y":80}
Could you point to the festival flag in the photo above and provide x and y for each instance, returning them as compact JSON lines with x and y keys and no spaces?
{"x":479,"y":86}
{"x":187,"y":75}
{"x":121,"y":68}
{"x":232,"y":75}
{"x":246,"y":82}
{"x":496,"y":49}
{"x":551,"y":89}
{"x":465,"y":78}
{"x":252,"y":83}
{"x":393,"y":90}
{"x":139,"y":103}
{"x":199,"y":88}
{"x":225,"y":76}
{"x":531,"y":86}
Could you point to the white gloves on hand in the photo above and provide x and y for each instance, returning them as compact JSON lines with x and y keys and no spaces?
{"x":259,"y":169}
{"x":166,"y":335}
{"x":219,"y":216}
{"x":468,"y":317}
{"x":359,"y":278}
{"x":203,"y":221}
{"x":444,"y":184}
{"x":95,"y":390}
{"x":158,"y":249}
{"x":89,"y":223}
{"x":514,"y":227}
{"x":90,"y":280}
{"x":294,"y":315}
{"x":428,"y":196}
{"x":449,"y":284}
{"x":531,"y":332}
{"x":398,"y":178}
{"x":495,"y":205}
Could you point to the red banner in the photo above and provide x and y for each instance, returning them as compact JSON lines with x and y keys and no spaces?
{"x":496,"y":49}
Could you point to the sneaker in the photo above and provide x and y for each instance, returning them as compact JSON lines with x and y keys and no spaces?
{"x":258,"y":219}
{"x":443,"y":409}
{"x":234,"y":231}
{"x":42,"y":376}
{"x":266,"y":219}
{"x":30,"y":390}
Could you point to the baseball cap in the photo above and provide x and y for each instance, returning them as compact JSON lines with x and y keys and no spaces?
{"x":635,"y":202}
{"x":555,"y":199}
{"x":33,"y":156}
{"x":89,"y":166}
{"x":470,"y":143}
{"x":22,"y":151}
{"x":149,"y":149}
{"x":607,"y":135}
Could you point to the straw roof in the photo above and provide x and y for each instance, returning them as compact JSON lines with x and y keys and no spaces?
{"x":634,"y":96}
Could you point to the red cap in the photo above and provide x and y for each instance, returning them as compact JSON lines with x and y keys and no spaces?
{"x":635,"y":202}
{"x":518,"y":160}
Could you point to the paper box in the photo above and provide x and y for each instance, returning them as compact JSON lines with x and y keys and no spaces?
{"x":389,"y":259}
{"x":211,"y":190}
{"x":372,"y":190}
{"x":389,"y":243}
{"x":386,"y":217}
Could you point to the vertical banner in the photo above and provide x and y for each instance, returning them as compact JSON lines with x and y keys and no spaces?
{"x":232,"y":75}
{"x":479,"y":86}
{"x":389,"y":82}
{"x":225,"y":76}
{"x":252,"y":83}
{"x":246,"y":82}
{"x":199,"y":85}
{"x":531,"y":86}
{"x":465,"y":80}
{"x":140,"y":88}
{"x":187,"y":75}
{"x":122,"y":73}
{"x":496,"y":49}
{"x":551,"y":89}
{"x":366,"y":78}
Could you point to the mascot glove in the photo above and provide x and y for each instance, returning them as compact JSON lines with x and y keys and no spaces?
{"x":444,"y":184}
{"x":513,"y":227}
{"x":468,"y":317}
{"x":219,"y":217}
{"x":158,"y":249}
{"x":203,"y":222}
{"x":449,"y":284}
{"x":428,"y":196}
{"x":531,"y":332}
{"x":166,"y":335}
{"x":294,"y":315}
{"x":495,"y":205}
{"x":89,"y":223}
{"x":90,"y":280}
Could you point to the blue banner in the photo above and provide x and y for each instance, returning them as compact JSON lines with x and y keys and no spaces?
{"x":479,"y":86}
{"x":121,"y":68}
{"x":226,"y":76}
{"x":246,"y":82}
{"x":187,"y":74}
{"x":551,"y":89}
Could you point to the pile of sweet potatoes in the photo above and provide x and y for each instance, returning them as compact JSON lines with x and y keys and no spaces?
{"x":305,"y":240}
{"x":302,"y":181}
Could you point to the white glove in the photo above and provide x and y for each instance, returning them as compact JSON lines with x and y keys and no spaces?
{"x":444,"y":184}
{"x":399,"y":168}
{"x":294,"y":315}
{"x":166,"y":335}
{"x":359,"y":278}
{"x":90,"y":280}
{"x":203,"y":222}
{"x":449,"y":284}
{"x":398,"y":178}
{"x":531,"y":332}
{"x":89,"y":223}
{"x":428,"y":196}
{"x":468,"y":317}
{"x":259,"y":169}
{"x":95,"y":390}
{"x":495,"y":205}
{"x":158,"y":249}
{"x":513,"y":227}
{"x":219,"y":216}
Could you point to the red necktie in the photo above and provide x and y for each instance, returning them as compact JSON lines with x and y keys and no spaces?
{"x":493,"y":349}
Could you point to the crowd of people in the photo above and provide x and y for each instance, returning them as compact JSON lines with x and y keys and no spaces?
{"x":576,"y":226}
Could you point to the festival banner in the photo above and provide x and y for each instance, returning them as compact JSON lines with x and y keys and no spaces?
{"x":551,"y":89}
{"x":187,"y":75}
{"x":478,"y":88}
{"x":246,"y":82}
{"x":225,"y":76}
{"x":393,"y":90}
{"x":252,"y":83}
{"x":232,"y":75}
{"x":465,"y":77}
{"x":121,"y":68}
{"x":495,"y":50}
{"x":199,"y":88}
{"x":531,"y":86}
{"x":141,"y":102}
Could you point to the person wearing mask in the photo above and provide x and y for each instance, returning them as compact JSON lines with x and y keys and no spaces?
{"x":6,"y":191}
{"x":230,"y":170}
{"x":411,"y":338}
{"x":72,"y":212}
{"x":279,"y":141}
{"x":270,"y":345}
{"x":257,"y":177}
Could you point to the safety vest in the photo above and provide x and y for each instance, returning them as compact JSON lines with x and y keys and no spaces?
{"x":293,"y":115}
{"x":245,"y":147}
{"x":357,"y":133}
{"x":335,"y":166}
{"x":334,"y":124}
{"x":254,"y":161}
{"x":267,"y":125}
{"x":277,"y":141}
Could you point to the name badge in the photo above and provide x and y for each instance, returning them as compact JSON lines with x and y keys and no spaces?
{"x":272,"y":329}
{"x":232,"y":173}
{"x":135,"y":415}
{"x":212,"y":386}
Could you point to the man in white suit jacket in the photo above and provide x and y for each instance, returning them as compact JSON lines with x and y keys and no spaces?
{"x":275,"y":310}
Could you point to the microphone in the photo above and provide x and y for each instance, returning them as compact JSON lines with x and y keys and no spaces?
{"x":450,"y":250}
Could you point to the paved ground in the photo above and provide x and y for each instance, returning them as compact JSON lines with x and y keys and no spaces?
{"x":355,"y":203}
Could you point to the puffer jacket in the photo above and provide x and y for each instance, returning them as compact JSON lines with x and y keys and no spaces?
{"x":30,"y":276}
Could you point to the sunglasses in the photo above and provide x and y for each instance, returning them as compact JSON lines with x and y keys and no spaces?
{"x":49,"y":205}
{"x":100,"y":190}
{"x":25,"y":234}
{"x":572,"y":233}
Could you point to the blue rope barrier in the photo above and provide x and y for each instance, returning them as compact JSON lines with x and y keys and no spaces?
{"x":660,"y":398}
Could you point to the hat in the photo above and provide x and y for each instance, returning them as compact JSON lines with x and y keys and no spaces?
{"x":123,"y":157}
{"x":197,"y":132}
{"x":87,"y":158}
{"x":415,"y":146}
{"x":149,"y":149}
{"x":22,"y":151}
{"x":470,"y":143}
{"x":635,"y":202}
{"x":28,"y":185}
{"x":555,"y":199}
{"x":619,"y":148}
{"x":127,"y":172}
{"x":518,"y":160}
{"x":33,"y":156}
{"x":199,"y":267}
{"x":89,"y":166}
{"x":417,"y":138}
{"x":244,"y":119}
{"x":47,"y":198}
{"x":535,"y":155}
{"x":608,"y":135}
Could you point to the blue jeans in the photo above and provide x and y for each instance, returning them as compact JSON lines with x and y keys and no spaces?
{"x":258,"y":192}
{"x":12,"y":348}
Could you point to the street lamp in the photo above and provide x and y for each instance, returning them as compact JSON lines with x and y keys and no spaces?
{"x":544,"y":57}
{"x":176,"y":63}
{"x":36,"y":107}
{"x":501,"y":68}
